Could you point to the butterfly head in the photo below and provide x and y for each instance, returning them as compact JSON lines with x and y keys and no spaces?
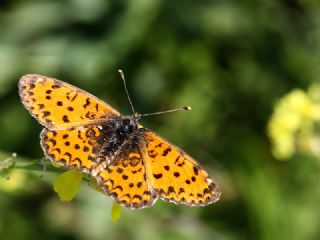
{"x":130,"y":124}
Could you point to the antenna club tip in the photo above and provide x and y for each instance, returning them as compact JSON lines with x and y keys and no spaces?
{"x":187,"y":108}
{"x":120,"y":71}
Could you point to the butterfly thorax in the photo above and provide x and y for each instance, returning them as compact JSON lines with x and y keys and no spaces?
{"x":116,"y":133}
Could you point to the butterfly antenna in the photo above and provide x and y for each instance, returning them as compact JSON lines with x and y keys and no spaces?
{"x":168,"y":111}
{"x":125,"y":87}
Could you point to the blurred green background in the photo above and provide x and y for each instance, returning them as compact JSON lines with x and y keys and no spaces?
{"x":230,"y":60}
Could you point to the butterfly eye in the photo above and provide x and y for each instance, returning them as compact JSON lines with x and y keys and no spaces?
{"x":127,"y":129}
{"x":126,"y":121}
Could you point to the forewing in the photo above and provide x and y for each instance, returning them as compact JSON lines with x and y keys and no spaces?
{"x":174,"y":175}
{"x":59,"y":105}
{"x":73,"y":148}
{"x":124,"y":179}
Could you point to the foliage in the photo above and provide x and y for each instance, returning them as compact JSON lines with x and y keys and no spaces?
{"x":116,"y":212}
{"x":67,"y":184}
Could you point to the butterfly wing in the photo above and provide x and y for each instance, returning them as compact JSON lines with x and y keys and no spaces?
{"x":174,"y":175}
{"x":125,"y":179}
{"x":59,"y":105}
{"x":73,"y":148}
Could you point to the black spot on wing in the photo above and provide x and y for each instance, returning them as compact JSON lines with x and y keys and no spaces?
{"x":157,"y":176}
{"x":65,"y":118}
{"x":166,"y":151}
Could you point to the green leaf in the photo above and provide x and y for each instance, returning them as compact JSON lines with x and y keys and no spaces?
{"x":116,"y":212}
{"x":56,"y":165}
{"x":67,"y":185}
{"x":93,"y":184}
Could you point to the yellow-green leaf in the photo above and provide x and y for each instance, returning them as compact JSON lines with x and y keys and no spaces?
{"x":116,"y":212}
{"x":67,"y":185}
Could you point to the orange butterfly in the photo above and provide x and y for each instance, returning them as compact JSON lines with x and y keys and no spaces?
{"x":133,"y":165}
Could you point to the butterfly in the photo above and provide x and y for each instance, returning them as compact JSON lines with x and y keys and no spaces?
{"x":132,"y":164}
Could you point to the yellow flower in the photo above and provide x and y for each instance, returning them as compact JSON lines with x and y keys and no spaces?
{"x":292,"y":114}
